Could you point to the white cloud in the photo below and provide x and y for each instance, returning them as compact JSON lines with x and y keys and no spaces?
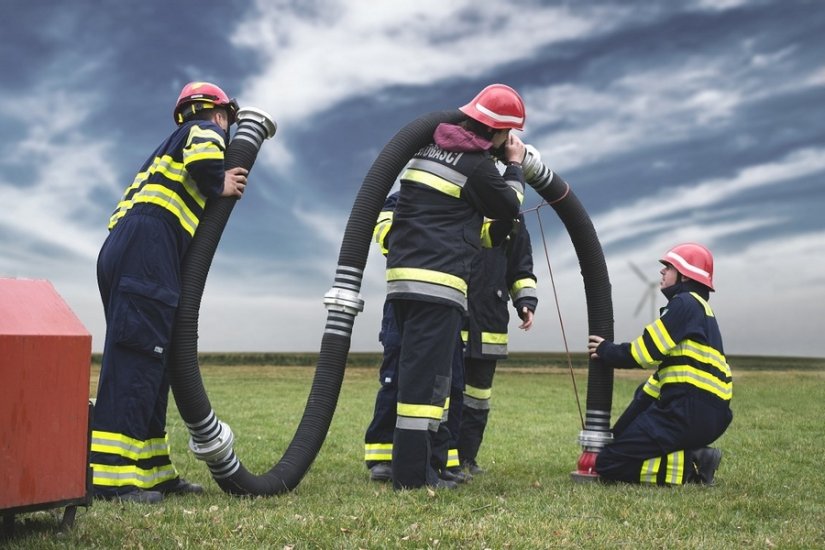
{"x":380,"y":45}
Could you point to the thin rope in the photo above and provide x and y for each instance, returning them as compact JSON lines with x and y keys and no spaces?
{"x":558,"y":307}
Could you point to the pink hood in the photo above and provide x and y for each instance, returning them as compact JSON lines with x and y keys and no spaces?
{"x":456,"y":139}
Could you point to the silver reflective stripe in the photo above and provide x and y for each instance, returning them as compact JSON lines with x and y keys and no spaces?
{"x":494,"y":349}
{"x":477,"y":404}
{"x":427,"y":289}
{"x":518,"y":187}
{"x":409,"y":423}
{"x":650,"y":470}
{"x":453,"y":176}
{"x":130,"y":474}
{"x":526,"y":292}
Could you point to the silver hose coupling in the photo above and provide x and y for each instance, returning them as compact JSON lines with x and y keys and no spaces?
{"x":594,"y":441}
{"x":215,"y":450}
{"x":261,"y":117}
{"x":536,"y":173}
{"x":343,"y":300}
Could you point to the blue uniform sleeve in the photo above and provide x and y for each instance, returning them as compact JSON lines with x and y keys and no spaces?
{"x":203,"y":157}
{"x":496,"y":196}
{"x":521,"y":281}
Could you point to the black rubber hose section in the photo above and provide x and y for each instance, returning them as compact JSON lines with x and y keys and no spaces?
{"x":378,"y":182}
{"x":598,"y":295}
{"x":311,"y":432}
{"x":184,"y":370}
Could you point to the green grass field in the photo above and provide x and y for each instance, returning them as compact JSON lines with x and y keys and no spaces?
{"x":770,"y":490}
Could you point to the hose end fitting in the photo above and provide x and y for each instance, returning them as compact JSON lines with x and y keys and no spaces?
{"x":536,"y":173}
{"x":593,"y":441}
{"x":217,"y":449}
{"x":261,"y":117}
{"x":343,"y":300}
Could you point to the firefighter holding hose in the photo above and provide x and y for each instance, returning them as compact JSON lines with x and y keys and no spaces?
{"x":138,"y":273}
{"x":662,"y":437}
{"x":447,"y":188}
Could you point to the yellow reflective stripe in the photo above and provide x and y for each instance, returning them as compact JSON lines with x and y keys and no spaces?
{"x":452,"y":458}
{"x":465,"y":336}
{"x":382,"y":228}
{"x":378,"y":451}
{"x":171,"y":201}
{"x":431,"y":180}
{"x":196,"y":132}
{"x":652,"y":387}
{"x":703,"y":354}
{"x":447,"y":404}
{"x":477,"y":393}
{"x":660,"y":336}
{"x":493,"y":338}
{"x":486,"y":238}
{"x":428,"y":276}
{"x":675,"y":468}
{"x":433,"y":412}
{"x":128,"y":447}
{"x":640,"y":354}
{"x":708,"y":310}
{"x":650,"y":470}
{"x":527,"y":282}
{"x":169,"y":168}
{"x":119,"y":476}
{"x":685,"y":374}
{"x":201,"y":151}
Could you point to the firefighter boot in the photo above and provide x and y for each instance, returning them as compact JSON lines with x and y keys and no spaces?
{"x":706,"y":461}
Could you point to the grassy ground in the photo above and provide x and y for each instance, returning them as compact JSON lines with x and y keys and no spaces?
{"x":770,"y":489}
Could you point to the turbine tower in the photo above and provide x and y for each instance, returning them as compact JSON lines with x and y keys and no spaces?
{"x":649,"y":295}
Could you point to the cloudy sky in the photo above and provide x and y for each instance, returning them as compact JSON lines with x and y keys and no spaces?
{"x":699,"y":120}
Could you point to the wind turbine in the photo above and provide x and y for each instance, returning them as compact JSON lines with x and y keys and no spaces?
{"x":649,"y":295}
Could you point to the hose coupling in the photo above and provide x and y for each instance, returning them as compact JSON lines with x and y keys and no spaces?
{"x":215,"y":450}
{"x":536,"y":173}
{"x":343,"y":300}
{"x":261,"y":117}
{"x":592,"y":440}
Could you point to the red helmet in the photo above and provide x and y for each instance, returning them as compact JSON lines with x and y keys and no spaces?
{"x":497,"y":106}
{"x":694,"y":261}
{"x":203,"y":95}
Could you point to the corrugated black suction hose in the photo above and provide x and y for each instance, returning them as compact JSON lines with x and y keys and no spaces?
{"x":212,"y":440}
{"x":597,"y":287}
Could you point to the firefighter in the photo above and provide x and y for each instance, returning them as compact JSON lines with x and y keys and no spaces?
{"x":138,"y":272}
{"x":379,"y":434}
{"x":663,"y":436}
{"x":447,"y":188}
{"x":499,"y":274}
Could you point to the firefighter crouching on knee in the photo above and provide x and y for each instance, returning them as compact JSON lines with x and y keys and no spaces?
{"x":662,"y":437}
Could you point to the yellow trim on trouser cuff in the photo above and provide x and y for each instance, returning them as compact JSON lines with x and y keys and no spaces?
{"x":378,"y":452}
{"x":478,"y":393}
{"x":143,"y":478}
{"x":129,"y":447}
{"x":650,"y":470}
{"x":433,"y":412}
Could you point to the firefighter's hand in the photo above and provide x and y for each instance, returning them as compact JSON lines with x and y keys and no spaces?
{"x":514,"y":149}
{"x":234,"y":182}
{"x":593,"y":342}
{"x":526,"y":317}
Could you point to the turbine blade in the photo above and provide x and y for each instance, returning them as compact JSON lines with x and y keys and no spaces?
{"x":638,"y":271}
